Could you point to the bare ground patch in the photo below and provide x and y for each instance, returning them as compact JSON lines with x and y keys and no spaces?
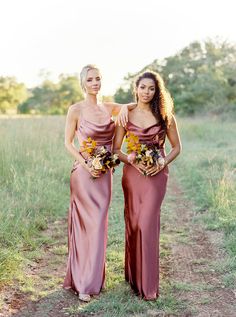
{"x":194,"y":252}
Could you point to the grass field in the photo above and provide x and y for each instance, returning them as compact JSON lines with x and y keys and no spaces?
{"x":207,"y":171}
{"x":34,"y":189}
{"x":33,"y":184}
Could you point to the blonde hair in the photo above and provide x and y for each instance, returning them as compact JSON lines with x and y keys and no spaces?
{"x":84,"y":72}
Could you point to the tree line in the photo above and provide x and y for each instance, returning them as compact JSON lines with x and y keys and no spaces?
{"x":201,"y":77}
{"x":47,"y":98}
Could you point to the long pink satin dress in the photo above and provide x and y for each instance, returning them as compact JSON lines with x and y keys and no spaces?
{"x":143,"y":198}
{"x":88,"y":216}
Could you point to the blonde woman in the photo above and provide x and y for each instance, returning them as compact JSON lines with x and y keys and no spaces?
{"x":90,"y":199}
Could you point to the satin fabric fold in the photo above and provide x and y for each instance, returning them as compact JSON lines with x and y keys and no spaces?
{"x":143,"y":198}
{"x":88,"y":217}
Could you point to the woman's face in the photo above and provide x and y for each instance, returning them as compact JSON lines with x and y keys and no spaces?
{"x":145,"y":90}
{"x":92,"y":82}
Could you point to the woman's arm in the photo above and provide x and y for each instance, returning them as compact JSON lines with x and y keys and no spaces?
{"x":174,"y":139}
{"x":121,"y":111}
{"x":116,"y":107}
{"x":118,"y":140}
{"x":70,"y":128}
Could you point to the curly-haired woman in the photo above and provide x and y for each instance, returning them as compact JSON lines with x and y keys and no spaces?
{"x":151,"y":121}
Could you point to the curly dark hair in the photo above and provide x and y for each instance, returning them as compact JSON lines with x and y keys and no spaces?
{"x":162,"y":104}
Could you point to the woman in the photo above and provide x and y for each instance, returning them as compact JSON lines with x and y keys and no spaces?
{"x":151,"y":121}
{"x":87,"y":220}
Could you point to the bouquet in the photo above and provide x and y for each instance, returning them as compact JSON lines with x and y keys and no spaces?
{"x":138,"y":152}
{"x":100,"y":158}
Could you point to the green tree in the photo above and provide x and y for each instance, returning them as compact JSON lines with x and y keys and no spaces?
{"x":197,"y":76}
{"x":124,"y":96}
{"x":68,"y":92}
{"x":41,"y":99}
{"x":12,"y":93}
{"x":53,"y":98}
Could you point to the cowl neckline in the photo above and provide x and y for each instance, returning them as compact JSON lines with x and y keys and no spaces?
{"x":96,"y":123}
{"x":149,"y":127}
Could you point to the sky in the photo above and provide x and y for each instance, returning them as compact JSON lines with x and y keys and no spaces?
{"x":39,"y":37}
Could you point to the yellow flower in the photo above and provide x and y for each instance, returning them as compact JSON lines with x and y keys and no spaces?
{"x":93,"y":143}
{"x":133,"y":144}
{"x":89,"y":145}
{"x":108,"y":162}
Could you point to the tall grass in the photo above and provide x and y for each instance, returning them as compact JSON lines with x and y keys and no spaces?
{"x":207,"y":170}
{"x":34,"y":182}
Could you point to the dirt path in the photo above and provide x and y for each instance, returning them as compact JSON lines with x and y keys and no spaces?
{"x":196,"y":255}
{"x":190,"y":269}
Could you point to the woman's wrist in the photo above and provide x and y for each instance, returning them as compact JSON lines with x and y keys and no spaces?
{"x":131,"y":106}
{"x":166,"y":162}
{"x":130,"y":161}
{"x":131,"y":158}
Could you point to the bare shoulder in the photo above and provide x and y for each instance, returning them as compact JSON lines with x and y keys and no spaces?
{"x":108,"y":103}
{"x":132,"y":113}
{"x":109,"y":106}
{"x":75,"y":110}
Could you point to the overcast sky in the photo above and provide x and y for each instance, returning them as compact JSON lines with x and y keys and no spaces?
{"x":122,"y":36}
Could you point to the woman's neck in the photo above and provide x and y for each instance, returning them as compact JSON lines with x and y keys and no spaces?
{"x":91,"y":100}
{"x":143,"y":106}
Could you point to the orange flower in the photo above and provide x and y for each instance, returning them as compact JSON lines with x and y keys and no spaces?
{"x":133,"y":144}
{"x":89,"y":146}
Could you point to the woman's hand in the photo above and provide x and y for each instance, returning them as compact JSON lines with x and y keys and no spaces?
{"x":140,"y":167}
{"x":88,"y":166}
{"x":122,"y":117}
{"x":153,"y":170}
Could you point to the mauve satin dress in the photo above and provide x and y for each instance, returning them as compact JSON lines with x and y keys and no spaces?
{"x":88,"y":216}
{"x":143,"y":198}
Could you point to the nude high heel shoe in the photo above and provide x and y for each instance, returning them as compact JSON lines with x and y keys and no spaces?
{"x":85,"y":297}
